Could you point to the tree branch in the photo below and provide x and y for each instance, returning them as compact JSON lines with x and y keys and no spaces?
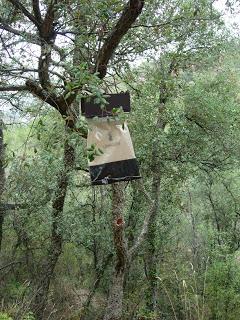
{"x":154,"y":207}
{"x":13,"y":88}
{"x":60,"y":103}
{"x":2,"y":179}
{"x":129,"y":15}
{"x":9,"y":265}
{"x":48,"y":36}
{"x":11,"y":206}
{"x":175,"y":21}
{"x":36,"y":10}
{"x":20,"y":71}
{"x":45,"y":96}
{"x":196,"y":122}
{"x":6,"y":27}
{"x":17,"y":4}
{"x":99,"y":276}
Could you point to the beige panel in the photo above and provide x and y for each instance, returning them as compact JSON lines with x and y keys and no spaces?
{"x":112,"y":138}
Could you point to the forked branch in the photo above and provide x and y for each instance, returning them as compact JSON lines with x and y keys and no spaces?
{"x":129,"y":15}
{"x":17,"y":4}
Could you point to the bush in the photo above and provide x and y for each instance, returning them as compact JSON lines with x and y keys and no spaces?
{"x":4,"y":316}
{"x":222,"y":291}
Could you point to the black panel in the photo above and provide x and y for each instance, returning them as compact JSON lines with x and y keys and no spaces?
{"x":91,"y":109}
{"x":111,"y":172}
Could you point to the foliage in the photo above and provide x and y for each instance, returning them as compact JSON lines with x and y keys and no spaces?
{"x":222,"y":291}
{"x":185,"y":128}
{"x":4,"y":316}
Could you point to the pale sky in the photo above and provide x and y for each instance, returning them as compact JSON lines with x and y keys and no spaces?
{"x":230,"y":18}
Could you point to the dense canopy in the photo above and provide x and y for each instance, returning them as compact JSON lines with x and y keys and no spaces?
{"x":162,"y":247}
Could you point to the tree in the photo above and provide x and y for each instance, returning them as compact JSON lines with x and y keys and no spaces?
{"x":2,"y":180}
{"x":193,"y":144}
{"x":62,"y":70}
{"x":47,"y":24}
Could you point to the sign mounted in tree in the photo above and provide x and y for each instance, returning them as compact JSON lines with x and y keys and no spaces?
{"x":111,"y":155}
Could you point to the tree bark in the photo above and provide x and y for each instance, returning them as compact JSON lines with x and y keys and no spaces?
{"x":195,"y":253}
{"x":151,"y":259}
{"x":124,"y":255}
{"x":99,"y":276}
{"x":44,"y":89}
{"x":55,"y":248}
{"x":129,"y":15}
{"x":114,"y":309}
{"x":2,"y":181}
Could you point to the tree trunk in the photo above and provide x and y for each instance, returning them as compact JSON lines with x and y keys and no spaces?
{"x":99,"y":276}
{"x":151,"y":294}
{"x":195,"y":254}
{"x":2,"y":181}
{"x":55,"y":248}
{"x":114,"y":309}
{"x":151,"y":259}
